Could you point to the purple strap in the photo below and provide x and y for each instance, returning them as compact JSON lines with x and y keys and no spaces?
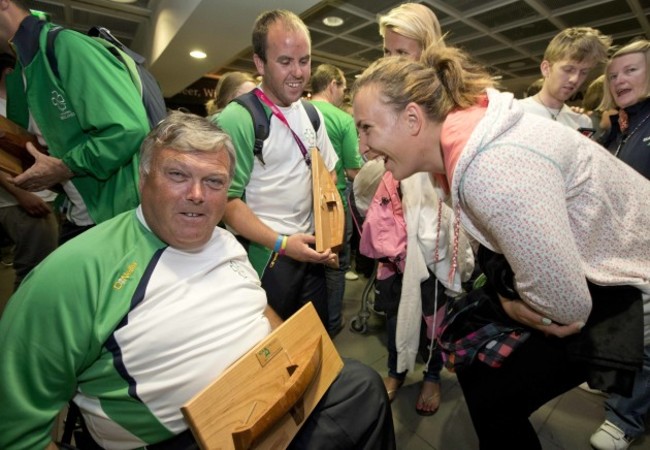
{"x":275,"y":110}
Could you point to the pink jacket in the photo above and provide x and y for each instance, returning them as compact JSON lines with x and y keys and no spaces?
{"x":384,"y":229}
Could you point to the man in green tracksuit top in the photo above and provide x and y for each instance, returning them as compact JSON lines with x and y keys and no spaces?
{"x":91,"y":117}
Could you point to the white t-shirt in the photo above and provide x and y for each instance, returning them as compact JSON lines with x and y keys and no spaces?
{"x":280,"y":192}
{"x":564,"y":115}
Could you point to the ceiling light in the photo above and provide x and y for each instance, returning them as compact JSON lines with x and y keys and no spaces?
{"x":198,"y":54}
{"x":333,"y":21}
{"x":124,"y":1}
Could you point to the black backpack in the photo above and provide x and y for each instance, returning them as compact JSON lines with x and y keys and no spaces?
{"x":261,"y":121}
{"x":152,"y":97}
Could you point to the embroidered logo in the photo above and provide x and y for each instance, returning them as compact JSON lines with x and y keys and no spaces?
{"x":59,"y":102}
{"x":310,"y":137}
{"x":238,"y":269}
{"x":128,"y":273}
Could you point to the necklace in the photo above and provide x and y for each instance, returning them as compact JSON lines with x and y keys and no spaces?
{"x":550,"y":111}
{"x":627,"y":136}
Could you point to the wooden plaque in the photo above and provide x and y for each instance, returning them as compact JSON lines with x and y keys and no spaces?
{"x":329,"y":216}
{"x":262,"y":400}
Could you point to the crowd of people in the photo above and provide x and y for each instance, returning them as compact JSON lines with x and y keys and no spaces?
{"x":175,"y":249}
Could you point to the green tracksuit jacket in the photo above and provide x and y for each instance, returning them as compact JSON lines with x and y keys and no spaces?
{"x":91,"y":116}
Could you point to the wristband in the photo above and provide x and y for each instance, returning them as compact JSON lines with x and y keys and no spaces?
{"x":283,"y":247}
{"x":278,"y":243}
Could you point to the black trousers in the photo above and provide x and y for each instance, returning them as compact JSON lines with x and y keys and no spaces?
{"x":290,"y":284}
{"x":354,"y":414}
{"x":501,"y":400}
{"x":606,"y":352}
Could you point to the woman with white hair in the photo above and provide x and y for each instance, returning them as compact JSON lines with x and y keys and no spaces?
{"x":627,"y":87}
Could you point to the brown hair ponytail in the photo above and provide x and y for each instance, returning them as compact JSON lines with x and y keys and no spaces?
{"x":462,"y":79}
{"x":445,"y":79}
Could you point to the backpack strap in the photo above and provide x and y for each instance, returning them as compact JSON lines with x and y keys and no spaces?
{"x":112,"y":45}
{"x":312,"y":113}
{"x":49,"y":49}
{"x":261,"y":121}
{"x":105,"y":33}
{"x":144,"y":81}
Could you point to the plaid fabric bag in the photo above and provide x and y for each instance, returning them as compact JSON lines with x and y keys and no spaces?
{"x":475,"y":326}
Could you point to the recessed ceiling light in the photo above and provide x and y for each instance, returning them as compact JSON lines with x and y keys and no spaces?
{"x":333,"y":21}
{"x":198,"y":54}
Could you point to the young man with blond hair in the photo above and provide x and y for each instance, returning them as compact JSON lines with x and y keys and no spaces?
{"x":568,"y":60}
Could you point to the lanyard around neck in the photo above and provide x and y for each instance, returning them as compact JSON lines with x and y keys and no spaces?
{"x":275,"y":110}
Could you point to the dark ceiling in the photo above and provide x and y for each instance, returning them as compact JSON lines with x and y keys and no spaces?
{"x":508,"y":35}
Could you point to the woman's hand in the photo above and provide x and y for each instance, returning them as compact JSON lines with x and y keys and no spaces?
{"x":522,"y":313}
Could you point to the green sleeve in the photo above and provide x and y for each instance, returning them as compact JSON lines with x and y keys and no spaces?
{"x":55,"y":325}
{"x":350,"y":145}
{"x":237,"y":122}
{"x":107,"y":104}
{"x":45,"y":333}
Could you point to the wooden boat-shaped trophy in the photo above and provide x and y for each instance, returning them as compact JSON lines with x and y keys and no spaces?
{"x":329,"y":216}
{"x":263,"y":399}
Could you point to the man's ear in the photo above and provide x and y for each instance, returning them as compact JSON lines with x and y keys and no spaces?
{"x":259,"y":64}
{"x":332,"y":86}
{"x":545,"y":68}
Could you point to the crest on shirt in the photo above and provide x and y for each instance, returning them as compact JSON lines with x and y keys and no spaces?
{"x":310,"y":136}
{"x":59,"y":102}
{"x":239,"y":269}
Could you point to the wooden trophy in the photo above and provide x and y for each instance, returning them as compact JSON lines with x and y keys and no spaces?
{"x":263,"y":399}
{"x":14,"y":157}
{"x":329,"y":216}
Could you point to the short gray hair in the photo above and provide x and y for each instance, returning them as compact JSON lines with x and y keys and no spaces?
{"x":186,"y":132}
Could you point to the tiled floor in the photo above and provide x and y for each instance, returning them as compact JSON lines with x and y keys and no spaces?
{"x":565,"y":423}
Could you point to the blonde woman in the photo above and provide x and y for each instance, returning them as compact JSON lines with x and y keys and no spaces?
{"x":410,"y":287}
{"x":627,"y":87}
